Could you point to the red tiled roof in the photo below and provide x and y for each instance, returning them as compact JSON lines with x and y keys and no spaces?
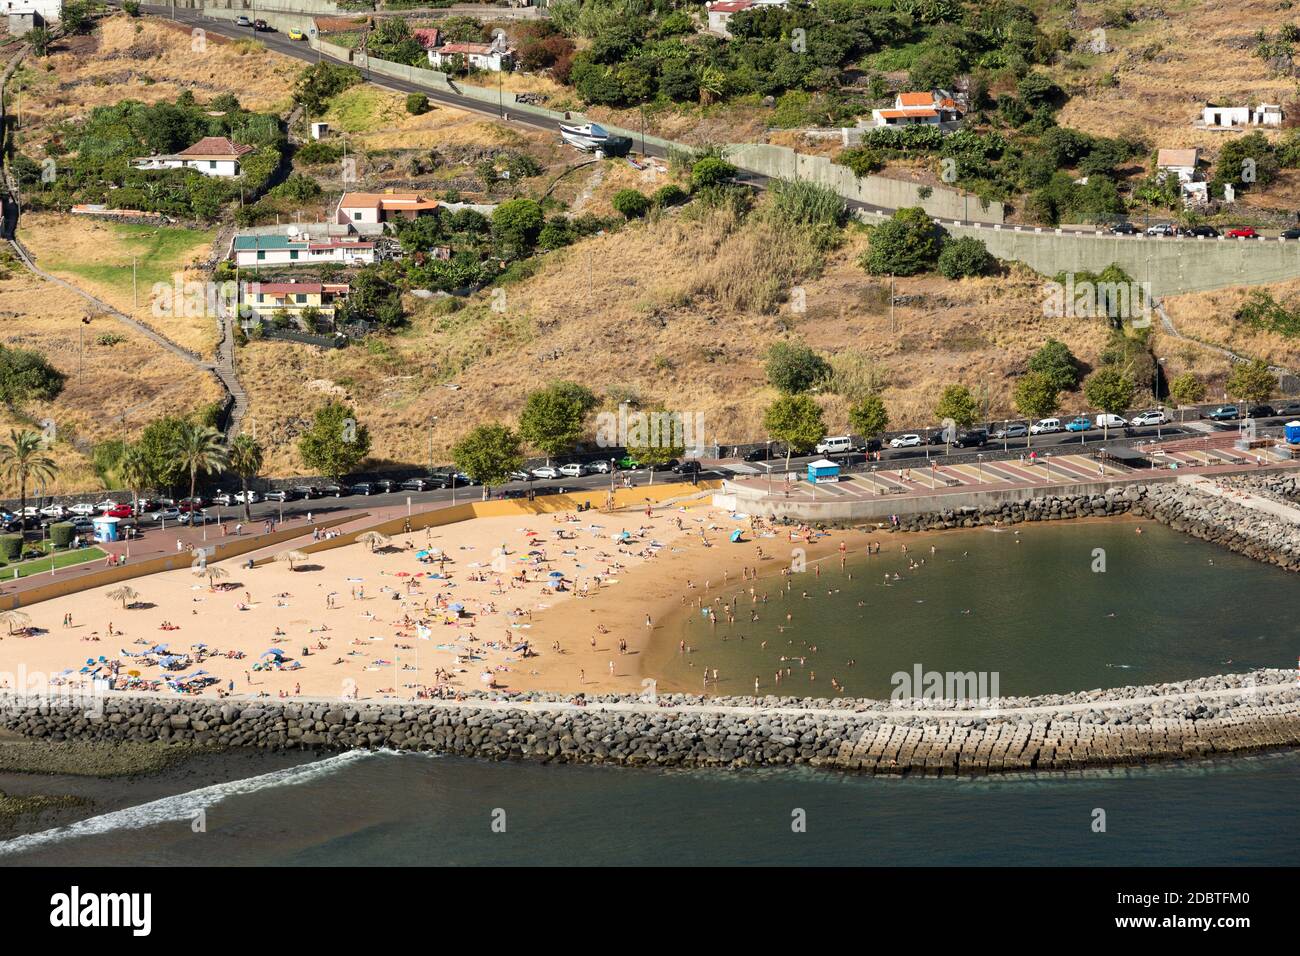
{"x":730,"y":6}
{"x":428,"y":37}
{"x":915,"y":99}
{"x":215,"y":146}
{"x":911,"y":114}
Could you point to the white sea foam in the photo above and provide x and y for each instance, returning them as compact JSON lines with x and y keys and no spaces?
{"x":181,"y":806}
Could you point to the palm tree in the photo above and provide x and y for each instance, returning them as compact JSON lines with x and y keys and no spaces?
{"x":24,"y":458}
{"x":135,"y":472}
{"x":246,"y":460}
{"x":199,"y":449}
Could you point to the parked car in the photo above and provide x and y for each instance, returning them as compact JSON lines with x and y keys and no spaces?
{"x":1224,"y":413}
{"x":1289,"y":408}
{"x":873,"y":444}
{"x":362,"y":488}
{"x":1161,"y":229}
{"x":243,"y":21}
{"x":1203,"y":232}
{"x":627,"y":463}
{"x":191,"y":504}
{"x":834,"y":445}
{"x":1125,"y":229}
{"x":463,"y":480}
{"x":54,"y":511}
{"x":279,"y":494}
{"x":1260,"y":411}
{"x":384,"y":485}
{"x":165,"y":514}
{"x":296,"y":34}
{"x":82,"y":526}
{"x":600,"y":466}
{"x":1110,"y":421}
{"x":574,"y":469}
{"x":251,"y":496}
{"x":14,"y":524}
{"x":1153,"y":417}
{"x":306,"y":492}
{"x":690,"y":466}
{"x":546,"y":471}
{"x":1242,"y":232}
{"x":973,"y":438}
{"x":1081,"y":423}
{"x":105,"y":504}
{"x":196,"y":517}
{"x":761,"y":454}
{"x":1291,"y":233}
{"x":936,"y":438}
{"x":83,"y":508}
{"x":910,"y":440}
{"x":334,"y":490}
{"x":119,"y":511}
{"x":1045,"y":426}
{"x":415,"y":484}
{"x":225,"y":498}
{"x":261,"y":26}
{"x":1014,"y":430}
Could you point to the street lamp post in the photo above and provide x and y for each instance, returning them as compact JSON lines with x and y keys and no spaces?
{"x":980,"y":458}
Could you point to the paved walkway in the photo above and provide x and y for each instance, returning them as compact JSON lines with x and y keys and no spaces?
{"x":1246,"y":499}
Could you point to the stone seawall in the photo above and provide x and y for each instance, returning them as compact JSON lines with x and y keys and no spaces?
{"x":1230,"y":714}
{"x":1183,"y":507}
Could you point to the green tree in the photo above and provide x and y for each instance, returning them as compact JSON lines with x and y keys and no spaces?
{"x":41,"y":39}
{"x":1186,"y":389}
{"x":957,"y":402}
{"x":793,"y":367}
{"x":199,"y":450}
{"x":134,"y":468}
{"x":903,"y":245}
{"x":965,"y":257}
{"x":24,"y":459}
{"x":1252,"y":381}
{"x":26,"y":375}
{"x":869,"y":418}
{"x":156,"y":443}
{"x":246,"y":460}
{"x":552,"y":419}
{"x":630,"y":203}
{"x":1055,"y":360}
{"x":711,"y":171}
{"x":1109,"y":389}
{"x":336,"y":442}
{"x":488,"y":454}
{"x":417,"y":104}
{"x":1035,"y":395}
{"x":656,"y":446}
{"x":795,"y":420}
{"x":516,"y":224}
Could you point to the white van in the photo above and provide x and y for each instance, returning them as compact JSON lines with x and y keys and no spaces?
{"x":1110,"y":421}
{"x":1045,"y":426}
{"x":838,"y":443}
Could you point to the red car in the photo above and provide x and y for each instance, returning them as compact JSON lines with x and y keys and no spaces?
{"x":1243,"y":232}
{"x":119,"y":511}
{"x":190,"y":504}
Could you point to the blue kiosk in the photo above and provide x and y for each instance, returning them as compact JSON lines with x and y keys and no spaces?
{"x":823,"y":470}
{"x":105,"y":528}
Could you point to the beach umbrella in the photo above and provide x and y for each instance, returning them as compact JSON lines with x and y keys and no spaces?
{"x":211,"y":572}
{"x":290,"y":557}
{"x":373,"y":539}
{"x":18,"y":618}
{"x":273,"y":651}
{"x":422,"y":554}
{"x":556,"y":574}
{"x":455,"y":607}
{"x":124,"y":594}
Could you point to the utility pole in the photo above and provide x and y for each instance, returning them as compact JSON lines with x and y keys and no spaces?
{"x":135,"y":293}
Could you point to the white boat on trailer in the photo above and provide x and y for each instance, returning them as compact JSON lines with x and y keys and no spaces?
{"x":588,"y":137}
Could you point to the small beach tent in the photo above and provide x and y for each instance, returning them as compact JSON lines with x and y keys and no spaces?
{"x":105,"y":528}
{"x":735,"y":536}
{"x":823,"y":470}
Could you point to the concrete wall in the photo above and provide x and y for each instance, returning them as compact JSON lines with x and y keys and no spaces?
{"x":781,"y":162}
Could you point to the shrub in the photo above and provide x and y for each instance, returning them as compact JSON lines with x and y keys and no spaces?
{"x":631,"y":203}
{"x":711,"y":171}
{"x":11,"y":546}
{"x":61,"y":534}
{"x":296,"y":187}
{"x":670,"y":195}
{"x":793,"y":367}
{"x":964,"y":257}
{"x":903,"y":245}
{"x":417,"y":104}
{"x":863,"y":160}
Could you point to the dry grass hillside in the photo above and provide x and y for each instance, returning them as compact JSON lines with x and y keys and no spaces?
{"x":679,"y":311}
{"x":150,"y":60}
{"x":1208,"y":316}
{"x":111,"y":389}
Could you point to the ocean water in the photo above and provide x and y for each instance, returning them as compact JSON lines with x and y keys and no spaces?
{"x":1027,"y":609}
{"x":412,"y":809}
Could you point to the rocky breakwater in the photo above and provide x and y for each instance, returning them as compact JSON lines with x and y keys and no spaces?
{"x":1219,"y":715}
{"x":1115,"y":501}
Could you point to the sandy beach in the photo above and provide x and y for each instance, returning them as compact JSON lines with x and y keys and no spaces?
{"x":562,"y":602}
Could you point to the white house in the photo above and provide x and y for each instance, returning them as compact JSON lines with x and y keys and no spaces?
{"x":23,"y":15}
{"x":494,"y":57}
{"x":371,"y":208}
{"x":1235,"y":117}
{"x":253,"y":250}
{"x":721,"y":12}
{"x":1178,"y":162}
{"x":935,"y":108}
{"x":212,"y":156}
